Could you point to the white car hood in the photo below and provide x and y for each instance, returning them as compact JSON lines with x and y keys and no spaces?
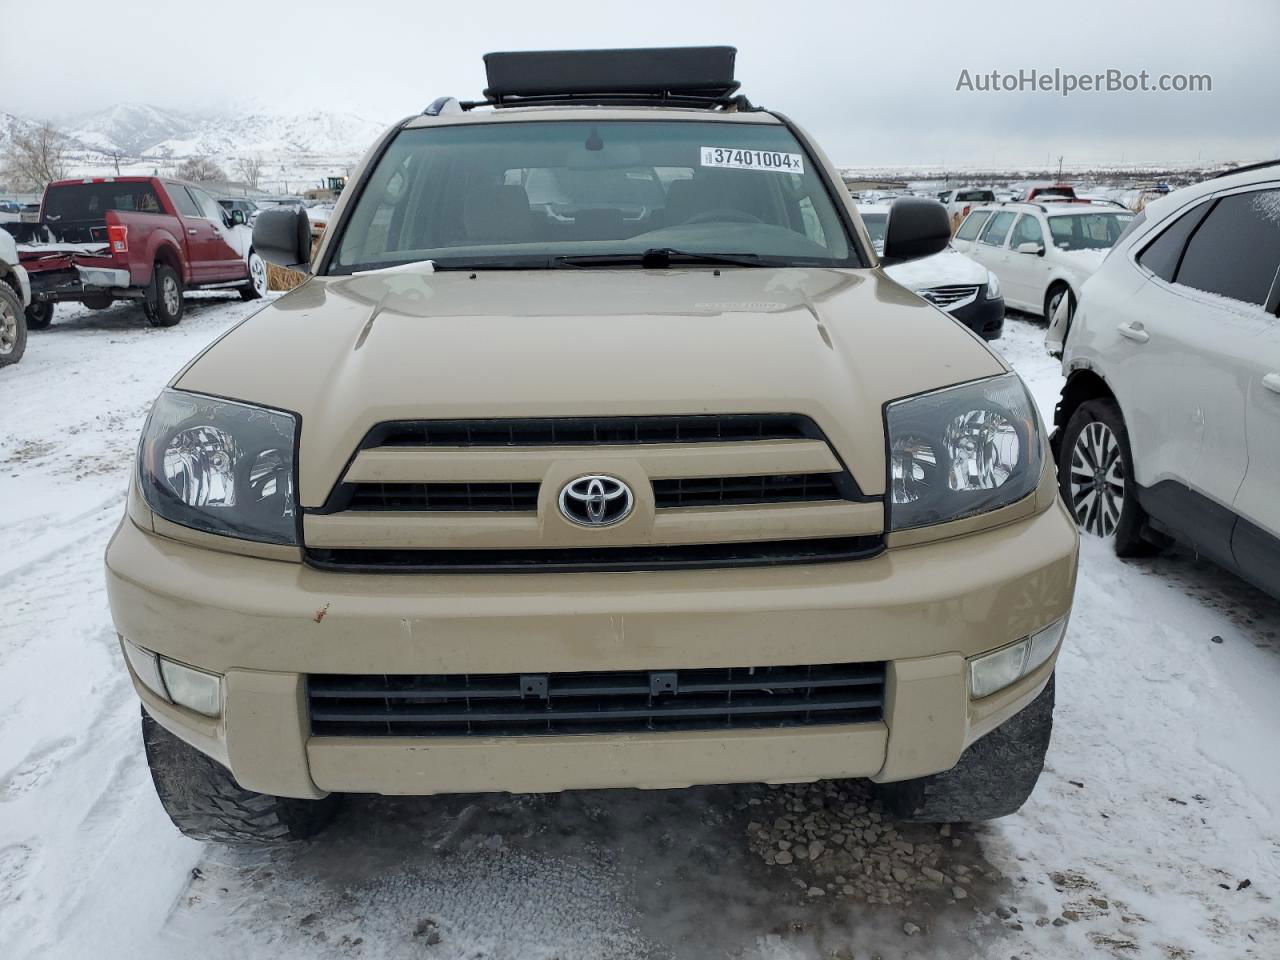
{"x":942,"y":269}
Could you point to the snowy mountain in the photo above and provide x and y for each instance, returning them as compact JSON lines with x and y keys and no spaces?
{"x":297,"y":150}
{"x":127,"y":128}
{"x":144,"y":131}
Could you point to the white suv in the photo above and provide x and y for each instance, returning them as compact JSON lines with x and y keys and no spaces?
{"x":1042,"y":252}
{"x":1169,"y":422}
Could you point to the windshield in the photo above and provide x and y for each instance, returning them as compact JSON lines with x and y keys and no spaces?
{"x":1088,"y":231}
{"x":526,"y":193}
{"x":875,"y":224}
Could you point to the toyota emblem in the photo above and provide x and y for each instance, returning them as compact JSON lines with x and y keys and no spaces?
{"x":596,"y":501}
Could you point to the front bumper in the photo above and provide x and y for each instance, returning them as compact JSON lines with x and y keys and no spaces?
{"x":983,"y":316}
{"x":264,"y":625}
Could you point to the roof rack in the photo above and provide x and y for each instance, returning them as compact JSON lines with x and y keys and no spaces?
{"x":700,"y":77}
{"x":1246,"y":168}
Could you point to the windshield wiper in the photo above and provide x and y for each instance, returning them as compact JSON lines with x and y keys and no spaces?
{"x":659,"y":258}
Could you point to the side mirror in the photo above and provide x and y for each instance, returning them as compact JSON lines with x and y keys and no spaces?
{"x":918,"y":227}
{"x":1030,"y":247}
{"x":283,"y":236}
{"x":237,"y":218}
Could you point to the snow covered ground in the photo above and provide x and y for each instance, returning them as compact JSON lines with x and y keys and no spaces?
{"x":1154,"y":833}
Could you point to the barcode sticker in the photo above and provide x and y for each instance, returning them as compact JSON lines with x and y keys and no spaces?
{"x":738,"y":158}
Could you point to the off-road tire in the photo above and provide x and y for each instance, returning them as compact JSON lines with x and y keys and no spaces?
{"x":13,"y":326}
{"x":39,"y":316}
{"x":164,"y":305}
{"x":258,"y":283}
{"x":1128,"y":532}
{"x":994,"y":777}
{"x":204,"y":801}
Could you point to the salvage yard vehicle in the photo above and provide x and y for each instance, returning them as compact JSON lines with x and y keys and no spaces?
{"x":652,"y":495}
{"x":15,"y":295}
{"x":1169,"y":422}
{"x":1042,"y":252}
{"x":960,"y":202}
{"x":103,"y":239}
{"x":949,"y":280}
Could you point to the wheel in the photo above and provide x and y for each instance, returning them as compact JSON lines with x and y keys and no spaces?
{"x":994,"y":777}
{"x":13,"y":326}
{"x":165,"y":307}
{"x":257,"y":286}
{"x":39,"y":316}
{"x":1095,"y":477}
{"x":204,"y":801}
{"x":1054,"y":297}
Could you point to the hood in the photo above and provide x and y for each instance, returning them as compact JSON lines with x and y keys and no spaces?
{"x":948,"y":267}
{"x":346,"y":353}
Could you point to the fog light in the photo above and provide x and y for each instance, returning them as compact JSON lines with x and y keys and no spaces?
{"x":996,"y":670}
{"x":146,"y":666}
{"x":191,"y":688}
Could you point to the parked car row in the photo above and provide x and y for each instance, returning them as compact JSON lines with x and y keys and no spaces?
{"x":1168,"y":426}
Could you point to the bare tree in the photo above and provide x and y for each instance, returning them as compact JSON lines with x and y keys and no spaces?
{"x":200,"y":168}
{"x":35,"y":157}
{"x":249,"y":169}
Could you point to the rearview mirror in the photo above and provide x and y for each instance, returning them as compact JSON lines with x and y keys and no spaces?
{"x":1030,"y":247}
{"x":918,"y":227}
{"x":283,"y":236}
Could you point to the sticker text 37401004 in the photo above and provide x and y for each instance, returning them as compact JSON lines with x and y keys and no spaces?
{"x":738,"y":158}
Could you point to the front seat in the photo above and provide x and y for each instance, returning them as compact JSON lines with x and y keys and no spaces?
{"x":497,"y":213}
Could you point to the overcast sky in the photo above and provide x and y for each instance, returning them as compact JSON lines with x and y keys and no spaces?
{"x":874,"y":82}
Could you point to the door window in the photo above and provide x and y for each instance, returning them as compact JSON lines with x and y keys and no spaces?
{"x":1027,"y":231}
{"x":182,"y":200}
{"x":1235,"y":252}
{"x":997,"y":229}
{"x":1163,"y":254}
{"x":972,"y":224}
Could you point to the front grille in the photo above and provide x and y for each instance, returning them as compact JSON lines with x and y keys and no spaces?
{"x":725,"y":491}
{"x":510,"y":704}
{"x":444,"y":496}
{"x":587,"y":431}
{"x":599,"y":559}
{"x":947,"y":296}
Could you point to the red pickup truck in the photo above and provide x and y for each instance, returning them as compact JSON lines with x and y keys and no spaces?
{"x":134,"y":238}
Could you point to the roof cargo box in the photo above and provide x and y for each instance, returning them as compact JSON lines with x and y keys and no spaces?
{"x":698,"y":72}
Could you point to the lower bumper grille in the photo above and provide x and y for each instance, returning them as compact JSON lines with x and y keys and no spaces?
{"x":510,"y":704}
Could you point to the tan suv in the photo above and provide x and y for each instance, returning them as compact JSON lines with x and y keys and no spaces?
{"x":598,"y":451}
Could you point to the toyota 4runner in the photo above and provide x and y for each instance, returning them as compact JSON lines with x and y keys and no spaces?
{"x":597,"y":451}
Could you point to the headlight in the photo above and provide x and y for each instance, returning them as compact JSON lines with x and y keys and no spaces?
{"x":961,"y":451}
{"x":220,"y":466}
{"x":993,"y":286}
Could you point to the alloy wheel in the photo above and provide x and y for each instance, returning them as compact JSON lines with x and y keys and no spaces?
{"x":258,"y":274}
{"x":8,"y":329}
{"x":1097,"y":479}
{"x":172,"y":298}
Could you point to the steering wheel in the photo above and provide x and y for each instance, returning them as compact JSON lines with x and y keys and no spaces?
{"x":723,"y":215}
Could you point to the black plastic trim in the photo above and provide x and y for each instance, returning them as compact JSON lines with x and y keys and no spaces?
{"x":705,"y":556}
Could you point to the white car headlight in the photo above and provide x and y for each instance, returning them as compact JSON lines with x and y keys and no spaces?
{"x":961,"y":451}
{"x":993,"y":286}
{"x":221,"y":467}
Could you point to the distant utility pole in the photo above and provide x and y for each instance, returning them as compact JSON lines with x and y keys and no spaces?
{"x":1059,"y":167}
